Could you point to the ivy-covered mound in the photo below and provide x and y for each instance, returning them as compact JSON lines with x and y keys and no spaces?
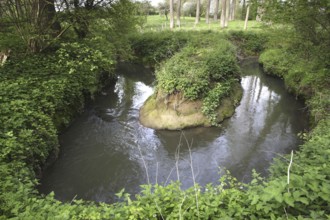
{"x":198,"y":86}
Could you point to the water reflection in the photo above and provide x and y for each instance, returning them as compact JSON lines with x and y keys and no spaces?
{"x":102,"y":151}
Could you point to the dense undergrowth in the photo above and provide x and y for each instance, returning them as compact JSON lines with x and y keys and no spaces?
{"x":204,"y":70}
{"x":41,"y":94}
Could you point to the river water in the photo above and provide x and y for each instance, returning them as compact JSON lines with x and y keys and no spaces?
{"x":106,"y":149}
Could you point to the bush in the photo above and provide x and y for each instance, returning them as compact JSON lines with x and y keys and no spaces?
{"x":249,"y":43}
{"x":206,"y":72}
{"x":151,"y":48}
{"x":275,"y":61}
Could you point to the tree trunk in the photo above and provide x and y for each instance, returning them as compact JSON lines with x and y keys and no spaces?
{"x":178,"y":14}
{"x":223,"y":13}
{"x":216,"y":10}
{"x":171,"y":14}
{"x":207,"y":12}
{"x":227,"y":12}
{"x":246,"y":17}
{"x":50,"y":16}
{"x":232,"y":10}
{"x":243,"y":10}
{"x":198,"y":8}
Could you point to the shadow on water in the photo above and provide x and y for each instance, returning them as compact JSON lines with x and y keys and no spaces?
{"x":101,"y":152}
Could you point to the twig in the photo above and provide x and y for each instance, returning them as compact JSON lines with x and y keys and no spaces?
{"x":180,"y":208}
{"x":289,"y":167}
{"x":177,"y":156}
{"x":159,"y":210}
{"x":169,"y":176}
{"x":286,"y":214}
{"x":144,"y":163}
{"x":281,"y":156}
{"x":193,"y":175}
{"x":157,"y":173}
{"x":74,"y":198}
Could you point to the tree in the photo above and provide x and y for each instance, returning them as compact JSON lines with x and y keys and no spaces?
{"x":163,"y":8}
{"x":207,"y":12}
{"x":243,"y":10}
{"x":247,"y":16}
{"x":232,"y":10}
{"x":309,"y":20}
{"x":223,"y":13}
{"x":34,"y":20}
{"x":171,"y":14}
{"x":260,"y":11}
{"x":216,"y":10}
{"x":227,"y":12}
{"x":178,"y":13}
{"x":198,"y":8}
{"x":81,"y":12}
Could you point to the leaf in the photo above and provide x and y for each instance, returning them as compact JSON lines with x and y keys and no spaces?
{"x":120,"y":193}
{"x":289,"y":199}
{"x":255,"y":199}
{"x":303,"y":200}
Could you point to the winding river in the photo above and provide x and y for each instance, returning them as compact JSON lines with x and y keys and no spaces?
{"x":106,"y":149}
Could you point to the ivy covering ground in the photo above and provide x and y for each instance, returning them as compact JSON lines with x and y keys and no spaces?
{"x":39,"y":95}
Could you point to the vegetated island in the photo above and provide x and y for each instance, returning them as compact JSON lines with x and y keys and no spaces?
{"x":198,"y":86}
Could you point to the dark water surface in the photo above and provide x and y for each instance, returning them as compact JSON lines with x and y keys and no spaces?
{"x":102,"y":151}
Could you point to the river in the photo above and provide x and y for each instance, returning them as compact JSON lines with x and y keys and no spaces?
{"x":106,"y":149}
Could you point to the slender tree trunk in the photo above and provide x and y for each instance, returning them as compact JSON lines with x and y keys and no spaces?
{"x":246,"y":17}
{"x":216,"y":10}
{"x":171,"y":14}
{"x":178,"y":14}
{"x":223,"y":13}
{"x":227,"y":12}
{"x":243,"y":10}
{"x":198,"y":8}
{"x":233,"y":10}
{"x":207,"y":12}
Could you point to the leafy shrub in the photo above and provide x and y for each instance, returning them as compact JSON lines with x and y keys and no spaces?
{"x":153,"y":47}
{"x":196,"y":72}
{"x":275,"y":61}
{"x":211,"y":101}
{"x":250,"y":43}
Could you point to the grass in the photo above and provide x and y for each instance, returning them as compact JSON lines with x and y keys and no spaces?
{"x":159,"y":23}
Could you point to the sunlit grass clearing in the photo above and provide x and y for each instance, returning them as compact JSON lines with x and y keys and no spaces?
{"x":159,"y":23}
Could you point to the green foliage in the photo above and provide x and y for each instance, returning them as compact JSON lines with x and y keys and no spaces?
{"x":305,"y":77}
{"x":111,"y":29}
{"x":185,"y":73}
{"x":275,"y":61}
{"x":41,"y":93}
{"x":249,"y":43}
{"x":153,"y":48}
{"x":11,"y":41}
{"x":204,"y":69}
{"x":211,"y":101}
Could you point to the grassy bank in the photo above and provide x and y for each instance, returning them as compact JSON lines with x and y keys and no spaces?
{"x":39,"y":94}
